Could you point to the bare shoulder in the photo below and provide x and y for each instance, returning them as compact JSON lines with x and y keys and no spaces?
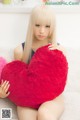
{"x":60,"y":47}
{"x":18,"y":52}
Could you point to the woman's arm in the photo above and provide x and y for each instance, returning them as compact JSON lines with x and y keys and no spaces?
{"x":18,"y":53}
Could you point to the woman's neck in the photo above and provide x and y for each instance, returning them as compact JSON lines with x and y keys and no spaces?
{"x":37,"y":44}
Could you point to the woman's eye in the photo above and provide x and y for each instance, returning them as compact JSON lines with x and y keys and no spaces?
{"x":48,"y":26}
{"x":37,"y":25}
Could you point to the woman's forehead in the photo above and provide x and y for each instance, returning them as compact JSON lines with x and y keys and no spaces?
{"x":42,"y":20}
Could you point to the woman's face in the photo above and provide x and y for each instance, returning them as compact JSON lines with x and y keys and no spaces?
{"x":41,"y":32}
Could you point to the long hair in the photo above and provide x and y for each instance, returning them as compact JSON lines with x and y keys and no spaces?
{"x":42,"y":15}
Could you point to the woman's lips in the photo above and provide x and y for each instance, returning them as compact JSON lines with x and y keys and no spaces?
{"x":41,"y":36}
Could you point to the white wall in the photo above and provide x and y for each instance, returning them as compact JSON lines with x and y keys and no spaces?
{"x":68,"y":29}
{"x":13,"y":28}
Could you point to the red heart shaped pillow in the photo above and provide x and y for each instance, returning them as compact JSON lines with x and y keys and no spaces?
{"x":42,"y":80}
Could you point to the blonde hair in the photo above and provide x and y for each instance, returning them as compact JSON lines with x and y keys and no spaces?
{"x":43,"y":15}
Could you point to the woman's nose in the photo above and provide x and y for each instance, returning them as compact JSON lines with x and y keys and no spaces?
{"x":42,"y":29}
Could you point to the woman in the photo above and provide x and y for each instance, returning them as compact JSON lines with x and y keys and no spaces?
{"x":41,"y":32}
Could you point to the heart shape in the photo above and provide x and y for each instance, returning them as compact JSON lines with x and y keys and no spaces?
{"x":43,"y":79}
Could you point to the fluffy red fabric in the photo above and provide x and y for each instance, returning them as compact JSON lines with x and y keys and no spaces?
{"x":42,"y":80}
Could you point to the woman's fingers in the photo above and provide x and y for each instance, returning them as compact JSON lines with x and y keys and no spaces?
{"x":6,"y":88}
{"x":7,"y":94}
{"x":4,"y":84}
{"x":53,"y":47}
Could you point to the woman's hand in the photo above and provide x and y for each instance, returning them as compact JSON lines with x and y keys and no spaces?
{"x":54,"y":46}
{"x":4,"y":89}
{"x":58,"y":47}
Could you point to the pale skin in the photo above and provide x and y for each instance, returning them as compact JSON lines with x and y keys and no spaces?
{"x":50,"y":110}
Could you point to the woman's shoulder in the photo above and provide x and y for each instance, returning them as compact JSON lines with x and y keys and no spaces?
{"x":18,"y":52}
